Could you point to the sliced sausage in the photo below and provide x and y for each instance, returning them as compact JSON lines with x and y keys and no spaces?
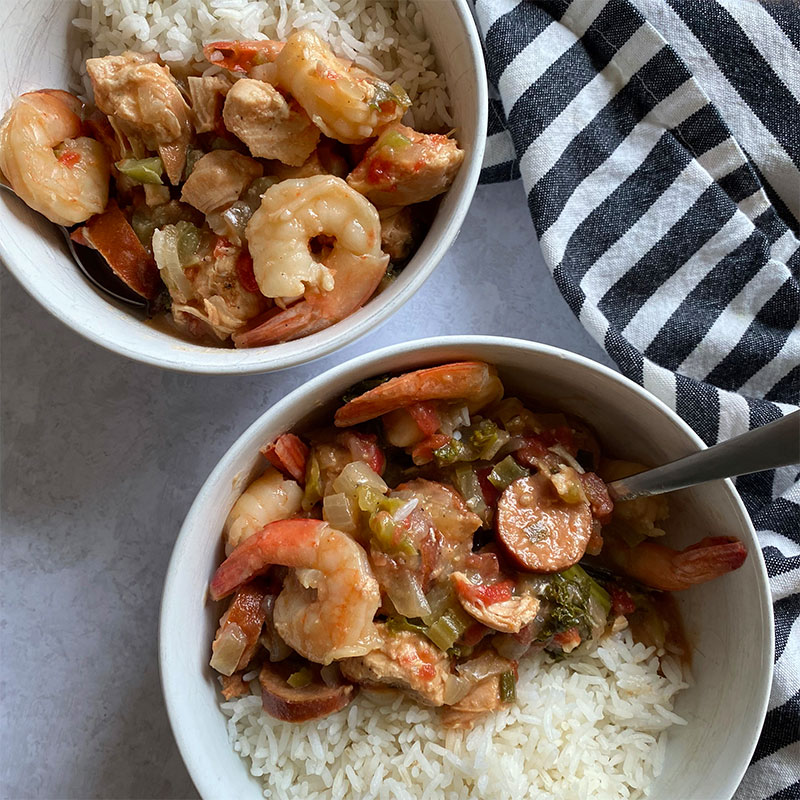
{"x":315,"y":700}
{"x":542,"y":532}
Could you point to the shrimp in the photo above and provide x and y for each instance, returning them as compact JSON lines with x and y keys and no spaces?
{"x":661,"y":567}
{"x":404,"y":166}
{"x":267,"y":499}
{"x":47,"y":162}
{"x":334,"y":621}
{"x":144,"y":100}
{"x":291,"y":214}
{"x":472,"y":382}
{"x":345,"y":102}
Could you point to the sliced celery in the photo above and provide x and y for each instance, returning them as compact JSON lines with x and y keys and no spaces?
{"x":143,"y":170}
{"x":506,"y":472}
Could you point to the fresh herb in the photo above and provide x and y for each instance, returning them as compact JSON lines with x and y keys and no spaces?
{"x":570,"y":592}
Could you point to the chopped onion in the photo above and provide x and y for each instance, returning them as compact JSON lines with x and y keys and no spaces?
{"x":228,"y":648}
{"x":484,"y":666}
{"x":405,"y":509}
{"x":406,"y":594}
{"x":439,"y":598}
{"x":511,"y":446}
{"x":566,"y":456}
{"x":455,"y":688}
{"x":356,"y":474}
{"x":340,"y":512}
{"x":452,"y":418}
{"x":165,"y":252}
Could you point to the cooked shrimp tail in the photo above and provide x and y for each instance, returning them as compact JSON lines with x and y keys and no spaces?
{"x":661,"y":567}
{"x":333,"y":621}
{"x":473,"y":382}
{"x":47,"y":162}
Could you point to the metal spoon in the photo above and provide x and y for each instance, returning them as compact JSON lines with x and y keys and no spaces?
{"x":767,"y":447}
{"x":96,"y":269}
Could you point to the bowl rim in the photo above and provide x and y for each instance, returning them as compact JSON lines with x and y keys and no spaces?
{"x":189,"y":360}
{"x":361,"y":365}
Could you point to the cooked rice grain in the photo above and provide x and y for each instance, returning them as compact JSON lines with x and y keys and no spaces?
{"x":592,"y":726}
{"x":387,"y":37}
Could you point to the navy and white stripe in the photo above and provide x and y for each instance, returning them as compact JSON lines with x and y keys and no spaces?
{"x":659,"y":145}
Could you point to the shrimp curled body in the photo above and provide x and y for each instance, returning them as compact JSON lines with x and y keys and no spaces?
{"x":291,"y":214}
{"x":345,"y":102}
{"x":326,"y":608}
{"x":50,"y":166}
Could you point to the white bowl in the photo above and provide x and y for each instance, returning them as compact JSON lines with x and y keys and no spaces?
{"x":38,"y":47}
{"x":729,"y":620}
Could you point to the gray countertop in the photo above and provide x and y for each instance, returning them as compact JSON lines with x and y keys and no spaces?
{"x":101,"y":458}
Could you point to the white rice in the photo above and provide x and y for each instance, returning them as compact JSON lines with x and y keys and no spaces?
{"x":592,"y":726}
{"x":385,"y":36}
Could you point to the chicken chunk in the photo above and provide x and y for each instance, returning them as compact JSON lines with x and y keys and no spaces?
{"x":218,"y":179}
{"x":405,"y":660}
{"x":397,"y":233}
{"x":268,"y":124}
{"x":484,"y":697}
{"x":146,"y":103}
{"x":404,"y":166}
{"x":207,"y":94}
{"x":495,"y":609}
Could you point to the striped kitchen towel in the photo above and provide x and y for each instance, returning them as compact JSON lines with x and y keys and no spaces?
{"x":659,"y":145}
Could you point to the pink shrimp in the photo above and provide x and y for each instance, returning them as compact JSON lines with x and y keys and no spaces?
{"x":473,"y":382}
{"x":333,"y":622}
{"x":661,"y":567}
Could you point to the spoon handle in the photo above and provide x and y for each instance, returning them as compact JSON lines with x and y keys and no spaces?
{"x":767,"y":447}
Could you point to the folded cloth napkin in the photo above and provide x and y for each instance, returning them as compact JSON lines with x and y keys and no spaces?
{"x":659,"y":145}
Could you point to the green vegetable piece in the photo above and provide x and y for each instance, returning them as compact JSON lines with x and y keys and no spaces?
{"x":505,"y":472}
{"x":143,"y":170}
{"x":368,"y":499}
{"x":312,"y":494}
{"x":299,"y":679}
{"x":447,"y":629}
{"x":394,"y":140}
{"x":508,"y":687}
{"x":482,"y":433}
{"x":570,"y":592}
{"x":395,"y":624}
{"x":188,"y":243}
{"x":382,"y":527}
{"x":449,"y":453}
{"x":384,"y":93}
{"x":467,"y":483}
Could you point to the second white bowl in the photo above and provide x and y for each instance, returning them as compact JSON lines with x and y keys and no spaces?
{"x":729,"y":621}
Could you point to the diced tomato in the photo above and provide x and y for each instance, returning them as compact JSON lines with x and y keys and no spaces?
{"x":69,"y":158}
{"x":379,"y":173}
{"x":532,"y":452}
{"x":424,"y":414}
{"x":244,"y":269}
{"x":487,"y":593}
{"x":221,"y":246}
{"x":597,"y":493}
{"x":364,"y":447}
{"x":621,"y":602}
{"x":288,"y":454}
{"x":568,"y":639}
{"x":423,"y":452}
{"x":240,"y":56}
{"x":489,"y":490}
